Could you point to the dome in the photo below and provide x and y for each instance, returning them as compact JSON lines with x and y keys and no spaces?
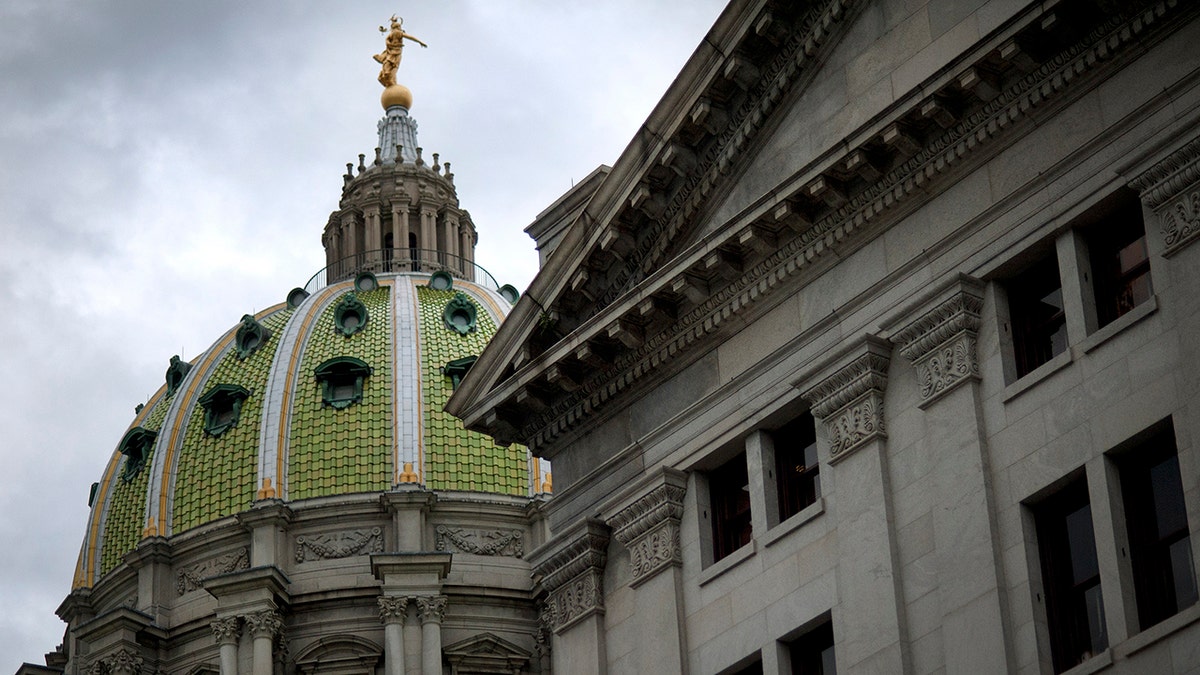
{"x":332,"y":393}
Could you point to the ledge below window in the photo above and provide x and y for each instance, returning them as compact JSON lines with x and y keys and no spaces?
{"x":795,"y":522}
{"x":1036,"y":375}
{"x":728,"y":562}
{"x":1119,"y":324}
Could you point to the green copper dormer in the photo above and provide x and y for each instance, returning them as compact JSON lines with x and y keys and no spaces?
{"x":137,"y":445}
{"x":341,"y":380}
{"x":222,"y":407}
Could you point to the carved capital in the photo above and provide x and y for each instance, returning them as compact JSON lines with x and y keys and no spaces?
{"x":1172,"y":189}
{"x":226,"y":630}
{"x":124,"y":661}
{"x":849,"y":402}
{"x":393,"y":609}
{"x":266,"y":623}
{"x":574,"y":575}
{"x":649,"y":528}
{"x":941,"y":342}
{"x":431,"y":608}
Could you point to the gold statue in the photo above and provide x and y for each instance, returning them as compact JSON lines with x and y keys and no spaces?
{"x":389,"y":58}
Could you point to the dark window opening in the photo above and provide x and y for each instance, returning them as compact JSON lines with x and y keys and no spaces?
{"x":729,"y":492}
{"x":1039,"y":322}
{"x":752,"y":669}
{"x":1120,"y":260}
{"x":796,"y":467}
{"x":1156,"y":520}
{"x":1071,"y":576}
{"x":812,"y":653}
{"x":388,"y":251}
{"x":341,"y":381}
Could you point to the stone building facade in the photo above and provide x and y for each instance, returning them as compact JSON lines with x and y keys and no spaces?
{"x":877,"y":350}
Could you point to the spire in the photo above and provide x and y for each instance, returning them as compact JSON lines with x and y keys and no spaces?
{"x":397,"y":135}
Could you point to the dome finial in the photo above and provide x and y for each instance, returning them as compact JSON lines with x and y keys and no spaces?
{"x":389,"y":59}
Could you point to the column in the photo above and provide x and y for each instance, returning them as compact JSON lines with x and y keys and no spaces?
{"x":373,"y":239}
{"x":571,"y":571}
{"x":451,"y":227}
{"x":431,"y":610}
{"x":400,"y":253}
{"x":848,"y":403}
{"x":941,"y":344}
{"x":263,"y":627}
{"x":464,"y":250}
{"x":393,"y":612}
{"x":649,"y":529}
{"x":226,"y":632}
{"x":429,"y":238}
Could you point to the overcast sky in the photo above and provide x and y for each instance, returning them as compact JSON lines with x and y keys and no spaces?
{"x":166,"y":167}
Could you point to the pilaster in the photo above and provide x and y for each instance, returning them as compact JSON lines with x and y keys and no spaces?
{"x":941,"y":344}
{"x":570,"y":568}
{"x":847,"y":401}
{"x":1171,"y":189}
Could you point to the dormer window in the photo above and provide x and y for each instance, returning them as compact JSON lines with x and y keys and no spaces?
{"x":222,"y":407}
{"x":350,"y":315}
{"x":341,"y":381}
{"x":458,"y":368}
{"x":136,"y":445}
{"x":250,"y":336}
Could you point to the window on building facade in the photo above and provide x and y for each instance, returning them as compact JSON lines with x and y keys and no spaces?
{"x":1070,"y":576}
{"x":729,"y":492}
{"x":799,"y":480}
{"x":1035,"y":307}
{"x":1119,"y":259}
{"x":812,"y":652}
{"x":755,"y":668}
{"x":1160,"y":548}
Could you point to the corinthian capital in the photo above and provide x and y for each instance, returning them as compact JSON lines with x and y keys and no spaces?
{"x":431,"y":608}
{"x":393,"y":609}
{"x":849,"y":401}
{"x":266,"y":623}
{"x":226,"y":630}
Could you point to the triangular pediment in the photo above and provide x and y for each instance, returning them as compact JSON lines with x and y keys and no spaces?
{"x":486,"y":653}
{"x":702,"y":226}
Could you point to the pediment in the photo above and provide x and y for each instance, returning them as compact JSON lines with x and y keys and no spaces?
{"x":672,"y":253}
{"x":486,"y":653}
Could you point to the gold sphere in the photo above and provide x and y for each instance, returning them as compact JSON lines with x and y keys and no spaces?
{"x":396,"y":94}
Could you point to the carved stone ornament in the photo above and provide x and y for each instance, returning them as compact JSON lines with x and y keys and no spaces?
{"x":226,"y":630}
{"x":573,"y":575}
{"x":850,"y":401}
{"x":266,"y":623}
{"x":649,"y":528}
{"x":393,"y":609}
{"x":431,"y":608}
{"x":191,"y":578}
{"x":941,"y":342}
{"x":1172,"y":188}
{"x":121,"y":662}
{"x":508,"y":543}
{"x":339,"y":544}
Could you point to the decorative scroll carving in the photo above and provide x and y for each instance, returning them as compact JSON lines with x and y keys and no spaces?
{"x":191,"y":578}
{"x":431,"y":608}
{"x":267,"y":623}
{"x":649,"y":528}
{"x":850,"y":401}
{"x":226,"y":630}
{"x":393,"y":609}
{"x":541,"y":636}
{"x":1172,"y":188}
{"x":941,"y":342}
{"x":573,"y":575}
{"x":339,"y":544}
{"x":508,"y":543}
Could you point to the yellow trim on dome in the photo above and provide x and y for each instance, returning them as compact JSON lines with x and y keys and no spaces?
{"x":88,"y":561}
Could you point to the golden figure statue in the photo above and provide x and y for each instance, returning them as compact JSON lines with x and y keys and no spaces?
{"x":389,"y":58}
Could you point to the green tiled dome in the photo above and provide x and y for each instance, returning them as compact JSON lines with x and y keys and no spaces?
{"x":279,"y":436}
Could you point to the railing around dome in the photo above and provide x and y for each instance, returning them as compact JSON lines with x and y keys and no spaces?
{"x":390,"y":260}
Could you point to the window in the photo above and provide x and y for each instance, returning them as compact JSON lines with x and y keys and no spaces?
{"x":137,"y":446}
{"x":799,"y":480}
{"x":1119,"y":259}
{"x":1039,"y":323}
{"x":1160,"y":548}
{"x":1070,"y":576}
{"x":752,"y":669}
{"x":812,"y":653}
{"x":222,"y":407}
{"x":729,"y":491}
{"x":341,"y":381}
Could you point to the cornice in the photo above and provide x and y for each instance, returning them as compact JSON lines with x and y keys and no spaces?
{"x":922,"y":175}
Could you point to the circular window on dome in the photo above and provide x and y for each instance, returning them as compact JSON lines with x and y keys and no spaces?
{"x":441,"y":281}
{"x":459,"y":315}
{"x":365,"y":281}
{"x":296,"y":297}
{"x":350,"y":315}
{"x":510,"y":293}
{"x":250,"y":336}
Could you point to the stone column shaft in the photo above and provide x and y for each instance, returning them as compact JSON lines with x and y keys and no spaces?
{"x":264,"y":626}
{"x":226,"y":631}
{"x":431,"y":609}
{"x":393,"y":611}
